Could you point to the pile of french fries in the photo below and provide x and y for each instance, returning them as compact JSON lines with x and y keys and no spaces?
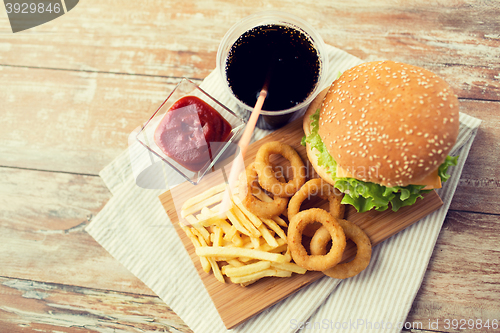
{"x":236,"y":244}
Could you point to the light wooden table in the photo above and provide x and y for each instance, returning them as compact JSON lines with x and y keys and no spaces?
{"x":73,"y":89}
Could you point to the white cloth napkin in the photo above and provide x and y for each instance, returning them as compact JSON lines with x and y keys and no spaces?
{"x":135,"y":229}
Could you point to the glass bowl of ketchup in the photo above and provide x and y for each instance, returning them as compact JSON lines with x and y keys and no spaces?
{"x":191,"y":131}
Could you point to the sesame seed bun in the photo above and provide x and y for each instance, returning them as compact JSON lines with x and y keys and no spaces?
{"x":388,"y":123}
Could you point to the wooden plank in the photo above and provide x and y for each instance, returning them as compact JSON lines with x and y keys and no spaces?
{"x":43,"y":216}
{"x":450,"y":39}
{"x":27,"y":306}
{"x":462,"y":278}
{"x":479,"y":185}
{"x":80,"y":120}
{"x":167,"y":38}
{"x":236,"y":304}
{"x":161,"y":38}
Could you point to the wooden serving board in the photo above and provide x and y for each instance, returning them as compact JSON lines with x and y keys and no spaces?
{"x":236,"y":304}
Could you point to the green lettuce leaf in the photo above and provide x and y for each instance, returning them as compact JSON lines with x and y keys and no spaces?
{"x":365,"y":196}
{"x":324,"y":158}
{"x":443,"y":168}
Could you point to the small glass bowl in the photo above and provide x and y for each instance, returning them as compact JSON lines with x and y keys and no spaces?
{"x":187,"y":88}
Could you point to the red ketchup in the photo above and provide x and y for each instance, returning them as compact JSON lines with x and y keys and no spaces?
{"x":187,"y":130}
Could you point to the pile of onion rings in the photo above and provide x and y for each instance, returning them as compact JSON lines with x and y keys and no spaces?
{"x":323,"y":190}
{"x":254,"y":204}
{"x":363,"y":254}
{"x":268,"y":194}
{"x":267,"y":177}
{"x":319,"y":259}
{"x":262,"y":177}
{"x":315,"y":262}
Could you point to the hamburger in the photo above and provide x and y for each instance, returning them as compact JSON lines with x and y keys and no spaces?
{"x":381,"y":134}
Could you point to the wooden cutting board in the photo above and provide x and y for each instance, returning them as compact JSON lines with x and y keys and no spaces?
{"x":236,"y":304}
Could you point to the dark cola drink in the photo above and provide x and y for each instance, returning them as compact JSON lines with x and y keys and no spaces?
{"x":283,"y":55}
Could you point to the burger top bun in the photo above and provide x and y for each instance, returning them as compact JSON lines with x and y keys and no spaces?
{"x":389,"y":123}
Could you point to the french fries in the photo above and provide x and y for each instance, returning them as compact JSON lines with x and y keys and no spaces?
{"x":238,"y":252}
{"x":240,"y":245}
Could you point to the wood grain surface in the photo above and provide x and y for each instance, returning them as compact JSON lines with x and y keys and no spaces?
{"x":236,"y":304}
{"x":73,"y":89}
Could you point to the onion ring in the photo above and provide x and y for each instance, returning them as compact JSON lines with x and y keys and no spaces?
{"x":299,"y":253}
{"x":267,"y":177}
{"x":363,"y":254}
{"x":256,"y":206}
{"x":325,"y":191}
